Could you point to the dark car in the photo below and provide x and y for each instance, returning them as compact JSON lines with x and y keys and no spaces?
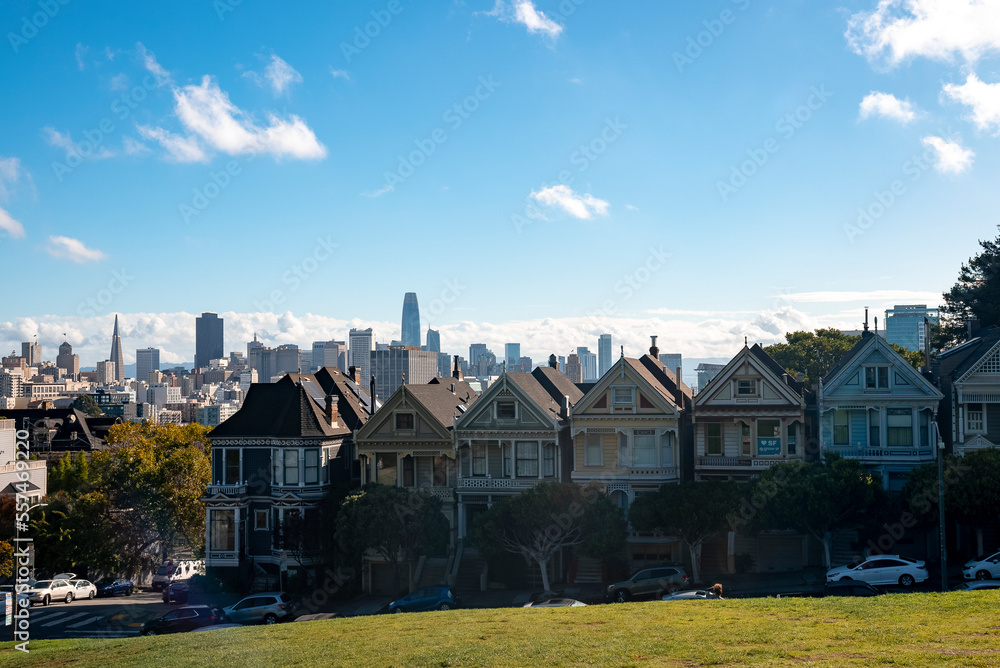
{"x":176,"y":592}
{"x":188,"y":618}
{"x":114,"y":587}
{"x":426,"y":598}
{"x":851,"y":588}
{"x":648,"y":582}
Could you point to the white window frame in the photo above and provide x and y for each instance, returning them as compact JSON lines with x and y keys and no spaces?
{"x":650,"y":450}
{"x":629,"y":401}
{"x":588,"y":443}
{"x":496,"y":410}
{"x":395,"y":422}
{"x":877,"y":368}
{"x":969,"y":428}
{"x":751,"y":385}
{"x":256,"y":520}
{"x":722,"y":439}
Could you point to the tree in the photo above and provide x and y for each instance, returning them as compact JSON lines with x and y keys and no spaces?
{"x":811,"y":354}
{"x":87,"y":405}
{"x":397,"y":524}
{"x":6,"y":559}
{"x":975,"y":499}
{"x":550,"y":517}
{"x":976,"y":294}
{"x":693,"y":511}
{"x":71,"y":475}
{"x":817,"y":498}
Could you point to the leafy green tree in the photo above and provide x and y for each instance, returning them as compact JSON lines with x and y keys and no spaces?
{"x":87,"y":405}
{"x":71,"y":475}
{"x":812,"y":354}
{"x":6,"y":559}
{"x":818,"y":498}
{"x":548,"y":518}
{"x":976,"y":294}
{"x":693,"y":511}
{"x":397,"y":524}
{"x":975,"y":499}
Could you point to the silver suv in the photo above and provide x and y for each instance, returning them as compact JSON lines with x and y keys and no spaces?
{"x":649,"y":582}
{"x":269,"y":608}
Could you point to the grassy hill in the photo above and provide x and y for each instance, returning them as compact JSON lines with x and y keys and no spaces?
{"x":960,"y":628}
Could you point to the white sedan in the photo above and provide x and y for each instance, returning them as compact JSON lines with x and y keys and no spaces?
{"x":882,"y":569}
{"x":45,"y":591}
{"x":83,"y":589}
{"x":983,"y":567}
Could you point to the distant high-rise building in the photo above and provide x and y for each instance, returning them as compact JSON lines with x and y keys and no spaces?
{"x":562,"y":364}
{"x":68,"y":362}
{"x":588,"y":362}
{"x":433,"y":340}
{"x":392,"y":365}
{"x":107,"y":374}
{"x":329,"y":353}
{"x":411,"y":321}
{"x":706,"y":372}
{"x":146,"y":360}
{"x":116,"y":354}
{"x":603,"y":354}
{"x":287,"y":359}
{"x":31,"y":352}
{"x":574,"y":370}
{"x":263,"y":360}
{"x":208,"y":340}
{"x":360,"y":353}
{"x":526,"y":364}
{"x":444,"y":365}
{"x":907,"y":325}
{"x":512,"y":355}
{"x":475,"y":350}
{"x":672,"y":361}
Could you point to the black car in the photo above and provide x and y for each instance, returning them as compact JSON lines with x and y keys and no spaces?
{"x":176,"y":592}
{"x":114,"y":587}
{"x":188,"y":618}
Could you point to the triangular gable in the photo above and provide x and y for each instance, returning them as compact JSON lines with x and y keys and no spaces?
{"x":504,"y":388}
{"x":621,"y":373}
{"x":717,"y":389}
{"x":850,"y":373}
{"x":380,"y":424}
{"x":988,"y":363}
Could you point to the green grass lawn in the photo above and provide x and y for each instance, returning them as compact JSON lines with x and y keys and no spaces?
{"x":961,"y":628}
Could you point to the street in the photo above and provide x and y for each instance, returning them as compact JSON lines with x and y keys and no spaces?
{"x":115,"y":617}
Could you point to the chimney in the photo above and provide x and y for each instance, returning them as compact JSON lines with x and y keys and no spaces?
{"x":453,"y":388}
{"x":456,"y":371}
{"x":678,"y":393}
{"x":355,"y":374}
{"x":371,"y":392}
{"x":553,"y":362}
{"x":564,"y":409}
{"x":332,"y":411}
{"x":801,"y":377}
{"x":653,"y":350}
{"x":784,"y":378}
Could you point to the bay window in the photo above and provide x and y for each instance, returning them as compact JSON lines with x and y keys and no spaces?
{"x":291,"y":467}
{"x":222,"y":530}
{"x":593,"y":454}
{"x":644,"y":448}
{"x":312,"y":467}
{"x":526,"y":453}
{"x":899,"y":427}
{"x":713,"y":438}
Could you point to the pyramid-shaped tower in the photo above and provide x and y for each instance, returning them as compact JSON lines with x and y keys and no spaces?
{"x":116,"y":354}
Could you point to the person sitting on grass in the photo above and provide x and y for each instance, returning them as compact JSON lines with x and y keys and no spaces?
{"x":715,"y":591}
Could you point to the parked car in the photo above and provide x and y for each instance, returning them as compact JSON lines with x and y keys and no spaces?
{"x":976,"y":585}
{"x":983,"y":567}
{"x":693,"y":594}
{"x":114,"y":587}
{"x":83,"y":589}
{"x":850,"y":588}
{"x":555,"y":603}
{"x":426,"y":598}
{"x":64,"y":576}
{"x":188,"y":618}
{"x":177,"y":592}
{"x":652,"y":582}
{"x":268,"y":608}
{"x":45,"y":591}
{"x":171,"y":571}
{"x":882,"y":569}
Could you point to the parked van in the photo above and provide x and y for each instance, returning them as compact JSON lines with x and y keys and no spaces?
{"x":170,"y":571}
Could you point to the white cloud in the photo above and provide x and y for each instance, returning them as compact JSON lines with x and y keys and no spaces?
{"x":80,"y":52}
{"x":578,"y":206}
{"x":887,"y":106}
{"x":179,"y":148}
{"x":73,"y":250}
{"x":939,"y":29}
{"x":340,"y":74}
{"x":525,"y":13}
{"x":952,"y":158}
{"x":281,"y":75}
{"x":131,"y":146}
{"x":984,"y":99}
{"x":120,"y":81}
{"x":84,"y":150}
{"x":150,"y":63}
{"x":11,"y":226}
{"x":10,"y":175}
{"x":371,"y":194}
{"x":859,"y":296}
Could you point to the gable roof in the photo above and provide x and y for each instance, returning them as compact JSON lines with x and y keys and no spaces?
{"x":666,"y":381}
{"x":779,"y":371}
{"x":441,"y":402}
{"x":287,"y":409}
{"x":557,"y":384}
{"x":544,"y":387}
{"x":463,"y":390}
{"x":962,"y":359}
{"x":780,"y":379}
{"x":852,"y":358}
{"x":354,"y":401}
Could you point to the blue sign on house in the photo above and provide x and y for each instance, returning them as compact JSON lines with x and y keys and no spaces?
{"x":768,"y":446}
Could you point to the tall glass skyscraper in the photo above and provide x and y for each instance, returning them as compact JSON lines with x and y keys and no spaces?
{"x":411,"y":320}
{"x":603,"y":354}
{"x":433,"y":340}
{"x":208,"y":339}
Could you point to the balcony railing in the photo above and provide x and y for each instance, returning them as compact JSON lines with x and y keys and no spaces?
{"x":741,"y":462}
{"x":885,"y":454}
{"x":625,"y":474}
{"x":227,"y":490}
{"x":498,"y":483}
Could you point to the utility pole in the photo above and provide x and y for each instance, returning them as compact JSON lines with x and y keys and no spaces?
{"x":942,"y":535}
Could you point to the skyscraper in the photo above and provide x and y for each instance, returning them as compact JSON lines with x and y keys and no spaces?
{"x":906,"y":325}
{"x":603,"y":354}
{"x":433,"y":340}
{"x":329,"y":353}
{"x":411,"y":321}
{"x":573,"y":369}
{"x":146,"y":360}
{"x":208,"y":340}
{"x":672,"y":361}
{"x":360,"y":352}
{"x":475,"y":350}
{"x":31,"y":352}
{"x":512,"y":355}
{"x":67,"y":361}
{"x":588,"y":362}
{"x":392,"y":365}
{"x":116,"y":354}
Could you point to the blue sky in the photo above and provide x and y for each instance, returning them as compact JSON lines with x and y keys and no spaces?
{"x":506,"y":229}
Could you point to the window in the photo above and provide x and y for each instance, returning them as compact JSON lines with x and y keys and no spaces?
{"x":408,"y":471}
{"x":440,"y":472}
{"x":312,"y":467}
{"x":841,"y":431}
{"x":593,"y":454}
{"x":223,"y":530}
{"x":385,"y":468}
{"x":622,"y":396}
{"x":745,"y":438}
{"x":768,"y":438}
{"x":644,"y":447}
{"x":404,"y":421}
{"x":623,"y":450}
{"x":974,"y":418}
{"x":793,"y":439}
{"x":478,"y":459}
{"x":874,"y":425}
{"x":507,"y":455}
{"x":550,"y":460}
{"x":899,"y":427}
{"x":527,"y":459}
{"x":291,"y":467}
{"x":279,"y":463}
{"x":746,"y":387}
{"x":260,"y":520}
{"x":876,"y":377}
{"x":713,"y":438}
{"x":324,"y":464}
{"x":667,"y":447}
{"x":506,"y":410}
{"x":925,"y":428}
{"x":620,"y":499}
{"x":232,"y":464}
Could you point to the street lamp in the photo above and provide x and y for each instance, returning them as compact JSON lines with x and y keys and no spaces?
{"x":942,"y":536}
{"x":17,"y":544}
